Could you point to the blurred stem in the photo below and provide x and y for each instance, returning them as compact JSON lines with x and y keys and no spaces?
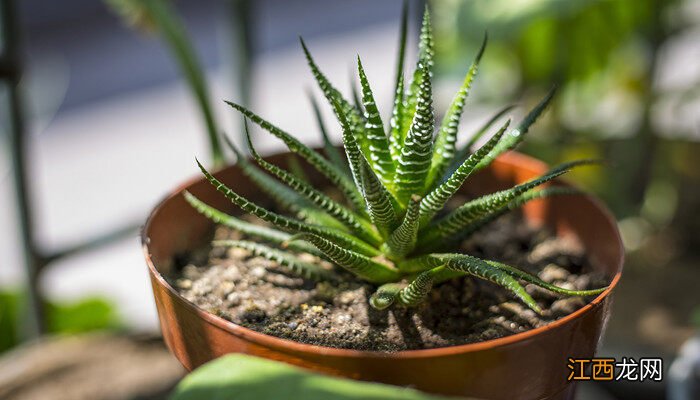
{"x":181,"y":48}
{"x":646,"y":140}
{"x":32,"y":313}
{"x":240,"y":51}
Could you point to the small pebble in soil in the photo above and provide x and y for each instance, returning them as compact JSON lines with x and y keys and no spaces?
{"x":552,"y":273}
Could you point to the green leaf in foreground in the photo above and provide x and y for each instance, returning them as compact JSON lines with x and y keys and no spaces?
{"x":242,"y":377}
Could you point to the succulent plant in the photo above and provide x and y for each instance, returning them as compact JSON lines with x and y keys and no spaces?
{"x":393,"y":230}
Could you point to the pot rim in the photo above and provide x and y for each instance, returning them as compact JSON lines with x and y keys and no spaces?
{"x":512,"y":158}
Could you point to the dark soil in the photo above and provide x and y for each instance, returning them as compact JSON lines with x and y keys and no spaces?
{"x":261,"y":295}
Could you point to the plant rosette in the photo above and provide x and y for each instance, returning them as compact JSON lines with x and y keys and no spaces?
{"x":391,"y":226}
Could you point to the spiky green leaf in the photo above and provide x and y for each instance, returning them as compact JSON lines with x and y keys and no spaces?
{"x":516,"y":135}
{"x":360,"y":265}
{"x":419,"y":264}
{"x":301,"y":268}
{"x":466,"y":150}
{"x":379,"y":154}
{"x":331,"y":151}
{"x":444,"y":148}
{"x":356,"y":98}
{"x":325,"y":167}
{"x":425,"y":62}
{"x":385,"y":295}
{"x":353,"y":115}
{"x":416,"y":291}
{"x":329,"y":91}
{"x":285,"y":197}
{"x":401,"y":56}
{"x":262,"y":232}
{"x":358,"y":225}
{"x":395,"y":139}
{"x":520,"y":274}
{"x":475,"y":209}
{"x":381,"y":206}
{"x":481,"y":269}
{"x":296,"y":168}
{"x":513,"y":205}
{"x":403,"y":240}
{"x":436,"y":199}
{"x":463,"y":153}
{"x":416,"y":153}
{"x":286,"y":223}
{"x":352,"y":149}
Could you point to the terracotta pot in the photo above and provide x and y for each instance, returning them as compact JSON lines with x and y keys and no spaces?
{"x":528,"y":365}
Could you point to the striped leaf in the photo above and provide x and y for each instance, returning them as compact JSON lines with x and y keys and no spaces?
{"x":286,"y":223}
{"x":350,"y":112}
{"x":464,"y":152}
{"x":359,"y":264}
{"x":397,"y":111}
{"x":416,"y":153}
{"x":481,"y":269}
{"x":379,"y":154}
{"x":513,"y":205}
{"x":473,"y":210}
{"x":419,"y":264}
{"x":296,"y":168}
{"x":436,"y":199}
{"x":380,"y":204}
{"x":352,"y":149}
{"x":304,"y":269}
{"x":396,"y":137}
{"x":262,"y":232}
{"x":403,"y":240}
{"x":325,"y":167}
{"x":329,"y":91}
{"x":331,"y":151}
{"x":515,"y":136}
{"x":356,"y":98}
{"x":385,"y":295}
{"x":446,"y":138}
{"x":426,"y":53}
{"x":359,"y":226}
{"x":416,"y":292}
{"x":520,"y":274}
{"x":281,"y":194}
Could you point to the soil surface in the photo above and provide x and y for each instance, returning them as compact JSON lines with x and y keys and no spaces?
{"x":263,"y":296}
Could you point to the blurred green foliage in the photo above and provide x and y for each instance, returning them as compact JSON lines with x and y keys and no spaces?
{"x":603,"y":55}
{"x":550,"y":39}
{"x":86,"y":315}
{"x":695,"y":318}
{"x":9,"y":304}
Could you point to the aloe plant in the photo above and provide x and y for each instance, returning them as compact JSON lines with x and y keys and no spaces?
{"x":393,"y":230}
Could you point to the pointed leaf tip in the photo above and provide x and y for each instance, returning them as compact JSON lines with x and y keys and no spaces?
{"x":482,"y":48}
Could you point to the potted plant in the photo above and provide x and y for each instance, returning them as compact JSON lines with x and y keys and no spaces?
{"x":390,"y":259}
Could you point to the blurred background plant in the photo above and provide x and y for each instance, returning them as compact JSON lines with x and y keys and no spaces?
{"x":628,"y":77}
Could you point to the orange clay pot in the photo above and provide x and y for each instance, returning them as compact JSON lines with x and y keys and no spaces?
{"x":528,"y":365}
